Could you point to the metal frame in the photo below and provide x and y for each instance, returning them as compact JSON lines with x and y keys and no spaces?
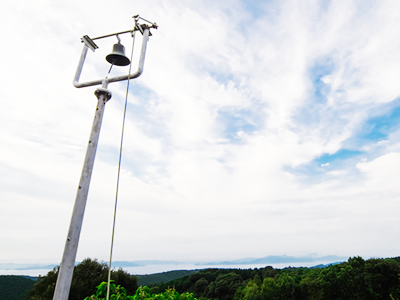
{"x":116,"y":78}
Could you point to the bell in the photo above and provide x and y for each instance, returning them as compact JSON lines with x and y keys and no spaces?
{"x":117,"y":56}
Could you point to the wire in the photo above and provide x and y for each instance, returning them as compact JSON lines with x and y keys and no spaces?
{"x":119,"y":171}
{"x":110,"y":68}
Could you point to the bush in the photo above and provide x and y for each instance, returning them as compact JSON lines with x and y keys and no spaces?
{"x":142,"y":293}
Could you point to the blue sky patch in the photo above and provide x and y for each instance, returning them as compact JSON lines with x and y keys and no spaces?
{"x":317,"y":170}
{"x":222,"y":78}
{"x":141,"y":92}
{"x":310,"y":113}
{"x":320,"y":69}
{"x":235,"y":121}
{"x":343,"y":154}
{"x":378,"y":128}
{"x":254,"y":7}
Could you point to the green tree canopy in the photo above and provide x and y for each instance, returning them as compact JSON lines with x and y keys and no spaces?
{"x":87,"y":276}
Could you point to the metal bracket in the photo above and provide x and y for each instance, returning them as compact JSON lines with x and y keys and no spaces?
{"x":89,"y":42}
{"x":136,"y":74}
{"x":103,"y":91}
{"x":142,"y":27}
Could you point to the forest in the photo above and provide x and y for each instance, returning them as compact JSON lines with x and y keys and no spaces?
{"x":355,"y":279}
{"x":375,"y":278}
{"x":14,"y":287}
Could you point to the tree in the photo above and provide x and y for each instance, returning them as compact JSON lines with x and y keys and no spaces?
{"x":344,"y":281}
{"x":87,"y":276}
{"x":280,"y":287}
{"x":200,"y":285}
{"x":382,"y":278}
{"x":252,"y":291}
{"x":361,"y":280}
{"x":225,"y":286}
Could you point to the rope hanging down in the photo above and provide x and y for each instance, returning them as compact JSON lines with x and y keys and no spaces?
{"x":119,"y":168}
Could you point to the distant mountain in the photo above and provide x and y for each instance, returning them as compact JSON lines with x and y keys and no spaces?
{"x":275,"y":259}
{"x":140,"y":263}
{"x":12,"y":266}
{"x":271,"y":259}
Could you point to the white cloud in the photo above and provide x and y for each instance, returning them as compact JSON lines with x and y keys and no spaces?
{"x":382,"y":173}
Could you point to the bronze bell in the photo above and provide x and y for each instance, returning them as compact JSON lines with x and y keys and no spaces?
{"x":117,"y":56}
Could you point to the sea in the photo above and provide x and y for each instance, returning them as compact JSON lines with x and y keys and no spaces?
{"x":155,"y":268}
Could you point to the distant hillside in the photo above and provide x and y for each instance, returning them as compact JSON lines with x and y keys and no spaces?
{"x":325,"y":266}
{"x":34,"y":278}
{"x":172,"y":275}
{"x":277,"y":259}
{"x":14,"y":287}
{"x":163,"y":277}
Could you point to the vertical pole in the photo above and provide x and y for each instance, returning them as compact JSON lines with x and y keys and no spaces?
{"x":71,"y":245}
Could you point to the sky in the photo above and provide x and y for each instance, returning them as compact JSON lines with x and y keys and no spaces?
{"x":257,"y":128}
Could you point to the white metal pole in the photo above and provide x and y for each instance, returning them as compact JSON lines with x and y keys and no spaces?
{"x":71,"y":245}
{"x":66,"y":270}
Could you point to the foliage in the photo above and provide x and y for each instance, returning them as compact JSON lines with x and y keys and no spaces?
{"x":14,"y":287}
{"x":210,"y":283}
{"x":355,"y":279}
{"x":142,"y":293}
{"x":396,"y":259}
{"x":224,"y":286}
{"x":87,"y":276}
{"x":359,"y":279}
